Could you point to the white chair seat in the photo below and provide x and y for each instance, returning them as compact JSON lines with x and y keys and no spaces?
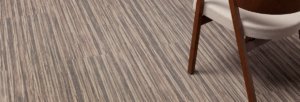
{"x":256,"y":25}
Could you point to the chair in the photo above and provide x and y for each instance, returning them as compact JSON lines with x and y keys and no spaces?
{"x":252,"y":24}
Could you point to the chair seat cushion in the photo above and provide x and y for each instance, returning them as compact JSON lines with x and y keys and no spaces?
{"x":256,"y":25}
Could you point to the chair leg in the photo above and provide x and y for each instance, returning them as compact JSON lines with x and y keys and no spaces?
{"x":239,"y":32}
{"x":245,"y":67}
{"x":196,"y":35}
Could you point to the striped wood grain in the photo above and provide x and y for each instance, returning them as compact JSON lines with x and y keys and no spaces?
{"x":130,"y":50}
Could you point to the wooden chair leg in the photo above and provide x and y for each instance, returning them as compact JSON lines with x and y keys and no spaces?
{"x":195,"y":43}
{"x":195,"y":35}
{"x":239,"y":32}
{"x":245,"y":67}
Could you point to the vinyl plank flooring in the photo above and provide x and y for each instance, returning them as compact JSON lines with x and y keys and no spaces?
{"x":130,"y":50}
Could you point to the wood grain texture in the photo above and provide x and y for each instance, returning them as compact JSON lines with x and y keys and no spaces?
{"x":130,"y":50}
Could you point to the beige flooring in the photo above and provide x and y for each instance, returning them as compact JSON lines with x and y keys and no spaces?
{"x":131,"y":50}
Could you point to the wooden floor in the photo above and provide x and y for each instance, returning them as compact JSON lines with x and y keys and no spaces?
{"x":131,"y":50}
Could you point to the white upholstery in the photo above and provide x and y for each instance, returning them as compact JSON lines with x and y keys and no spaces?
{"x":256,"y":25}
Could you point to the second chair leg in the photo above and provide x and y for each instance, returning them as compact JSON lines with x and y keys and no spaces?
{"x":245,"y":68}
{"x":239,"y":32}
{"x":196,"y":35}
{"x":195,"y":43}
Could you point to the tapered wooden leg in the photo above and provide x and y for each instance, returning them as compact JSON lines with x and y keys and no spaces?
{"x":239,"y":32}
{"x":196,"y":35}
{"x":245,"y":67}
